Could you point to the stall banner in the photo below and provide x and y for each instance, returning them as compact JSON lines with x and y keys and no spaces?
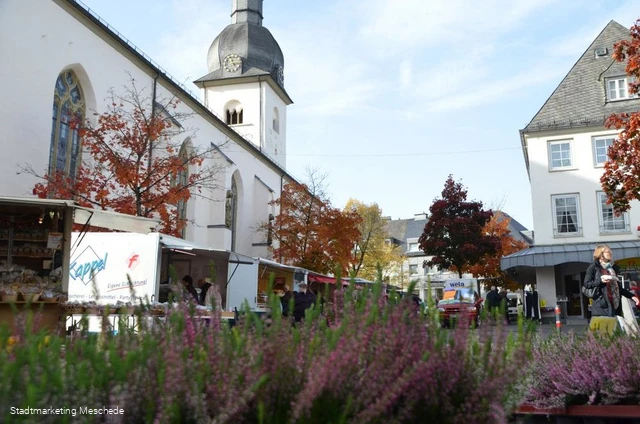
{"x":458,"y":283}
{"x":106,"y":267}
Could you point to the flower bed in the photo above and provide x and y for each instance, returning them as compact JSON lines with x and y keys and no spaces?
{"x":379,"y":362}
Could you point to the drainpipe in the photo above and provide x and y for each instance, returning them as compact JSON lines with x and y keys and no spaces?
{"x":261,"y":114}
{"x":153,"y":117}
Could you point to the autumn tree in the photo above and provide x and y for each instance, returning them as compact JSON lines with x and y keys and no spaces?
{"x":621,"y":178}
{"x":310,"y":233}
{"x":372,"y":248}
{"x":138,"y":158}
{"x":489,"y":266}
{"x":454,"y":234}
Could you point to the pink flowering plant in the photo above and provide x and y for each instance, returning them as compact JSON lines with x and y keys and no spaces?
{"x":584,"y":369}
{"x":378,"y":359}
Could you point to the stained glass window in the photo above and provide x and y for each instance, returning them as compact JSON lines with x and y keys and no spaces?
{"x":68,"y":109}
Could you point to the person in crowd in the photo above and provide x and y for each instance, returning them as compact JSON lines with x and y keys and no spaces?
{"x":205,"y":284}
{"x":188,"y":290}
{"x":493,"y":301}
{"x":303,"y":300}
{"x":602,"y":275}
{"x":285,"y":295}
{"x":504,"y":304}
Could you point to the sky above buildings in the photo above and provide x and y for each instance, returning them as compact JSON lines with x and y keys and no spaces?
{"x":392,"y":96}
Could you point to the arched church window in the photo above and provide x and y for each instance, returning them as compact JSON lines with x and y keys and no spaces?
{"x":276,"y":120}
{"x":68,"y":114}
{"x":231,"y":211}
{"x":234,"y":113}
{"x":182,"y":179}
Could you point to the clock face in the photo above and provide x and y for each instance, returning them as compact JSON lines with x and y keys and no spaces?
{"x":232,"y":63}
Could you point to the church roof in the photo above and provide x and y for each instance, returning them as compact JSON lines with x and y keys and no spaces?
{"x":185,"y":94}
{"x":259,"y":51}
{"x":579,"y":100}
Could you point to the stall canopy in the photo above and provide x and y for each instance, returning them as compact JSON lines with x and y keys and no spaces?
{"x":185,"y":247}
{"x":89,"y":217}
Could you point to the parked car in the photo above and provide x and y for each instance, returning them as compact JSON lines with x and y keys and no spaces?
{"x":460,"y":305}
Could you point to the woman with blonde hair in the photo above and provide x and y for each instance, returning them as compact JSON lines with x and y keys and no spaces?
{"x":602,"y":281}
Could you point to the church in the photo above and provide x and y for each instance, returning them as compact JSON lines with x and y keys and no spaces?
{"x":61,"y":60}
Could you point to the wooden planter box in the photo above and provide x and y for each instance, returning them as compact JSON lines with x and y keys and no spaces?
{"x":580,"y":413}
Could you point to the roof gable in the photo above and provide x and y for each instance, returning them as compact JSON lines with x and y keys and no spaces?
{"x":580,"y":98}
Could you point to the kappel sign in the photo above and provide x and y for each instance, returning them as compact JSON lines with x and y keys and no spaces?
{"x":87,"y":265}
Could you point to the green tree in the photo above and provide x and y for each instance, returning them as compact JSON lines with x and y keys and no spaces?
{"x":372,"y":249}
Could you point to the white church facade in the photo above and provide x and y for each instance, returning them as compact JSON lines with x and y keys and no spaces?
{"x":61,"y":60}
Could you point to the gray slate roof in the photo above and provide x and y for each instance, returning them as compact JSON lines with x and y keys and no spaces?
{"x":580,"y":98}
{"x":403,"y":229}
{"x":259,"y":51}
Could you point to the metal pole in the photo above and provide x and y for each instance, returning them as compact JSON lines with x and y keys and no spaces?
{"x":558,"y":322}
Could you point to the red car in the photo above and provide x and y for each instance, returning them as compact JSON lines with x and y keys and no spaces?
{"x":460,"y":305}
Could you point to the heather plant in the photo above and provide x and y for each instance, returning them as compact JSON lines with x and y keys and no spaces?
{"x":584,"y":369}
{"x":378,"y":360}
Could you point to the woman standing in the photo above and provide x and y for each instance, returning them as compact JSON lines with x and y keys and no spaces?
{"x":602,"y":277}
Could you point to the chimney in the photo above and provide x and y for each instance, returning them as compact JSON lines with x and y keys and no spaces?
{"x":247,"y":11}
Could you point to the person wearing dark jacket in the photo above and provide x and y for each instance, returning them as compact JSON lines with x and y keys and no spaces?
{"x":189,"y":292}
{"x":493,"y":301}
{"x":602,"y":275}
{"x":302,"y":300}
{"x":205,"y":284}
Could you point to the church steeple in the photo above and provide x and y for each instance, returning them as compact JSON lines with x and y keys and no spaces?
{"x":247,"y":11}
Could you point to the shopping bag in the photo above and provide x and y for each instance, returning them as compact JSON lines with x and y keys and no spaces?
{"x":627,"y":321}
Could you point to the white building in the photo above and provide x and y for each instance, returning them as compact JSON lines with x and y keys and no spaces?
{"x":565,"y":147}
{"x":406,"y":233}
{"x":58,"y":54}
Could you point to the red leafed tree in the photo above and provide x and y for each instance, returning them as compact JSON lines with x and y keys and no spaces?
{"x":455,"y":233}
{"x":489,"y":266}
{"x":310,"y":233}
{"x":136,"y":159}
{"x":621,"y":178}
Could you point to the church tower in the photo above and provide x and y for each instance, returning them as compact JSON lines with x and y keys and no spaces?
{"x":245,"y":84}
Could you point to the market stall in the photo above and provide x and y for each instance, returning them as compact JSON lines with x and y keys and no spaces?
{"x":35,"y":250}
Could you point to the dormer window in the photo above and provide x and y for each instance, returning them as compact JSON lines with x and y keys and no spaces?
{"x":618,"y":88}
{"x":234,"y":113}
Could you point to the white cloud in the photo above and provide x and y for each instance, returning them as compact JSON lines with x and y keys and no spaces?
{"x":406,"y":73}
{"x":407,"y":24}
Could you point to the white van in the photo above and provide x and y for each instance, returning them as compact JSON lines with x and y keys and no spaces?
{"x":514,"y":306}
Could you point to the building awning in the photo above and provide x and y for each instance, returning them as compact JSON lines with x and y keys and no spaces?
{"x":552,"y":255}
{"x":113,"y":220}
{"x":87,"y":216}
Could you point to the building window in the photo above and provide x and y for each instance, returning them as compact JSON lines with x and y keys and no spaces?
{"x":182,"y":180}
{"x":566,"y":212}
{"x":413,"y":269}
{"x":412,"y":247}
{"x":609,"y":222}
{"x":618,"y":88}
{"x":560,"y":155}
{"x":68,"y":114}
{"x":234,"y":113}
{"x":276,"y":120}
{"x":600,"y":147}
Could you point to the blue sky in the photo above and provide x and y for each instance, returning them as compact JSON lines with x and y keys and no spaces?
{"x":392,"y":96}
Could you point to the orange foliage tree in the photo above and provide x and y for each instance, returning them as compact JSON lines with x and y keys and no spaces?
{"x":621,"y":178}
{"x":489,"y":266}
{"x":136,"y":161}
{"x":310,"y":233}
